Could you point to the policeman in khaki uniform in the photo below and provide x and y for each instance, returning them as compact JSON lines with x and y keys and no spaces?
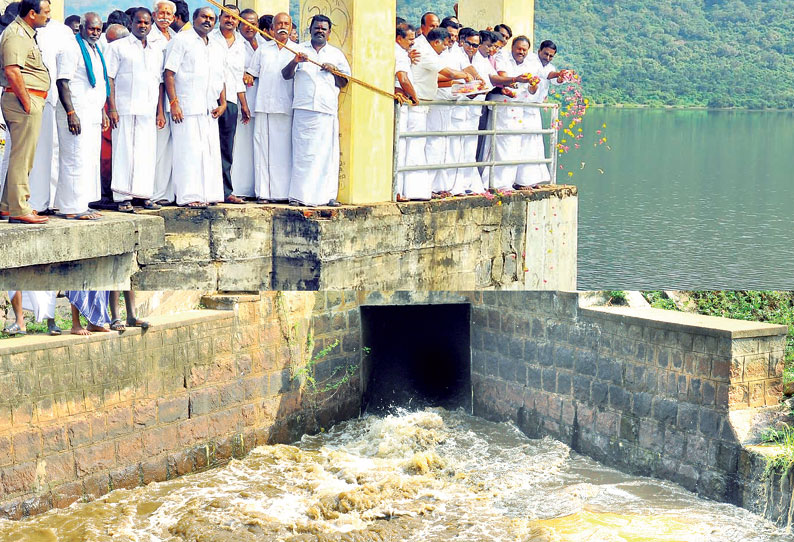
{"x":25,"y":81}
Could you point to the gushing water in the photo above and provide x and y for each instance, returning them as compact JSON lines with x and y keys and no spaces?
{"x":432,"y":475}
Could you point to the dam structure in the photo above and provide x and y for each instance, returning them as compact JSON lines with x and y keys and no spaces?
{"x":651,"y":392}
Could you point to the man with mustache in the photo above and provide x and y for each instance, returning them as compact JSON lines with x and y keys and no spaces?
{"x":83,"y":89}
{"x":273,"y":110}
{"x":194,"y":84}
{"x":159,"y":38}
{"x":315,"y":167}
{"x":134,"y":72}
{"x":226,"y":37}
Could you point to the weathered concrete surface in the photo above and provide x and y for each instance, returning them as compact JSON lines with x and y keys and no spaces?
{"x":76,"y":254}
{"x":521,"y":241}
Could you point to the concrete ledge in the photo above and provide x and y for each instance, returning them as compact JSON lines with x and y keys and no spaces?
{"x":712,"y":326}
{"x":90,"y":254}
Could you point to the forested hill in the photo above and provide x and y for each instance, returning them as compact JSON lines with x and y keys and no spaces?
{"x":673,"y":52}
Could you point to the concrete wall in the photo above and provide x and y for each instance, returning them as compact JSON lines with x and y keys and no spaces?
{"x":652,"y":392}
{"x":80,"y":416}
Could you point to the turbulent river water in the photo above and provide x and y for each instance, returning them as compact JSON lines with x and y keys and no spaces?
{"x":431,"y":475}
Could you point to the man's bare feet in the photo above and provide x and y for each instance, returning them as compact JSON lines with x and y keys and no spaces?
{"x":79,"y":330}
{"x":97,"y":329}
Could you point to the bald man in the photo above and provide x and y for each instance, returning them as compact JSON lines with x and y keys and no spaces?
{"x":83,"y":89}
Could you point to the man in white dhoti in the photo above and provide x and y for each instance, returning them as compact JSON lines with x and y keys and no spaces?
{"x":403,"y":85}
{"x":227,"y":37}
{"x":315,"y":123}
{"x":545,"y":70}
{"x":159,"y":38}
{"x":41,"y":304}
{"x":519,"y":147}
{"x":243,"y":156}
{"x":273,"y":110}
{"x":83,"y":89}
{"x":134,"y":71}
{"x":194,"y":83}
{"x":417,"y":185}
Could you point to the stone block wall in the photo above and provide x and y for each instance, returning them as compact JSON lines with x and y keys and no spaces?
{"x":647,"y":391}
{"x":80,"y":416}
{"x":521,"y":241}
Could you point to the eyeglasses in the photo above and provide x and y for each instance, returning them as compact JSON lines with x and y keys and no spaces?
{"x":470,"y":44}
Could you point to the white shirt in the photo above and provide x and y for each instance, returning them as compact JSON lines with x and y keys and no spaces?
{"x":157,"y":39}
{"x":235,"y":63}
{"x":136,"y":72}
{"x":198,"y":71}
{"x":250,"y":92}
{"x":543,"y":72}
{"x":425,"y":74}
{"x":54,"y":40}
{"x":88,"y":101}
{"x":455,"y":61}
{"x":315,"y":89}
{"x":275,"y":94}
{"x":513,"y":69}
{"x":402,"y":63}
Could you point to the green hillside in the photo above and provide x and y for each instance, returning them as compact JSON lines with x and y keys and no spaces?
{"x":718,"y":53}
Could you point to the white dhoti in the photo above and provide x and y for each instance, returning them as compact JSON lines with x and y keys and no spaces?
{"x":416,"y":185}
{"x":273,"y":155}
{"x":467,"y":180}
{"x":197,"y":160}
{"x":41,"y":304}
{"x":439,"y":119}
{"x":243,"y":159}
{"x":79,"y":181}
{"x":43,"y":177}
{"x":315,"y":157}
{"x":519,"y":147}
{"x":163,"y":183}
{"x":134,"y":155}
{"x":4,"y":161}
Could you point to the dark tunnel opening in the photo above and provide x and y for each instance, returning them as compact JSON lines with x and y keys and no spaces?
{"x":419,"y":356}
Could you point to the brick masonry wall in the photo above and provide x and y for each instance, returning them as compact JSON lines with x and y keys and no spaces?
{"x":521,"y":241}
{"x":80,"y":416}
{"x":646,"y":394}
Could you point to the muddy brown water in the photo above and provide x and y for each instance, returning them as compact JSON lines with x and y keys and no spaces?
{"x":431,"y":475}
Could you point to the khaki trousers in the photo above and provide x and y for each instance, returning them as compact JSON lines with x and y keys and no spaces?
{"x":24,"y":129}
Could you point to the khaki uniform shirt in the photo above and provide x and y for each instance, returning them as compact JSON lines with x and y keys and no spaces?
{"x":18,"y":47}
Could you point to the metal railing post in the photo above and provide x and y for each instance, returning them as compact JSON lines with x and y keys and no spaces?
{"x":492,"y":150}
{"x":396,"y":151}
{"x":555,"y":116}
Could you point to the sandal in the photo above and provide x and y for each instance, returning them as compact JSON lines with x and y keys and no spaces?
{"x":117,"y":325}
{"x":53,"y":329}
{"x":137,"y":322}
{"x":194,"y":205}
{"x":125,"y":207}
{"x":149,"y":205}
{"x":164,"y":202}
{"x":85,"y":215}
{"x":14,"y":330}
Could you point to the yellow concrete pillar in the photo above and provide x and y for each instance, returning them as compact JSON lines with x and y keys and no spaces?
{"x":366,"y":119}
{"x":56,"y":9}
{"x":519,"y":15}
{"x":265,"y":7}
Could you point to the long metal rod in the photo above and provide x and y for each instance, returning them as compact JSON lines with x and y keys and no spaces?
{"x":476,"y":132}
{"x":396,"y":150}
{"x":472,"y":103}
{"x":555,"y":116}
{"x":492,"y":148}
{"x":435,"y":167}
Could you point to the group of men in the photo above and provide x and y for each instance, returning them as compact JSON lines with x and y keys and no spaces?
{"x":430,"y":61}
{"x":198,"y":113}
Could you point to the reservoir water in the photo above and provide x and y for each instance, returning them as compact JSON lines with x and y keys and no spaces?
{"x":687,"y":199}
{"x":431,"y":475}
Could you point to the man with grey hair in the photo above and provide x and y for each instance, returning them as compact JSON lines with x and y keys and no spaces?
{"x":83,"y":90}
{"x":159,"y":38}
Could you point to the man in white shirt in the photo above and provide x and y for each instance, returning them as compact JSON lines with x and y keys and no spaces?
{"x":403,"y":85}
{"x":315,"y":122}
{"x":243,"y":156}
{"x":227,"y":37}
{"x":417,"y":185}
{"x":429,"y":21}
{"x":159,"y":38}
{"x":543,"y":68}
{"x":134,"y":71}
{"x":194,"y":83}
{"x":83,"y":90}
{"x":273,"y":110}
{"x":518,"y":68}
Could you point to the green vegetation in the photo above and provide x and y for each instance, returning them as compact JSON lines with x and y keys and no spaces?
{"x":771,"y":307}
{"x":714,"y":53}
{"x":615,"y":297}
{"x":783,"y":437}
